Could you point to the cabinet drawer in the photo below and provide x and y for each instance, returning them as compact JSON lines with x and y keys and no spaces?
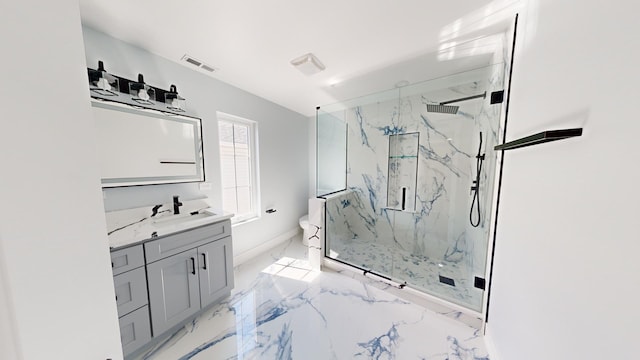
{"x":174,"y":244}
{"x":126,"y":259}
{"x":135,"y":330}
{"x":131,"y":290}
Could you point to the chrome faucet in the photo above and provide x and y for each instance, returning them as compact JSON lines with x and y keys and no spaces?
{"x":176,"y":205}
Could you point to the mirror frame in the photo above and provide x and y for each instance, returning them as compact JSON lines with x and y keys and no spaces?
{"x":162,"y":115}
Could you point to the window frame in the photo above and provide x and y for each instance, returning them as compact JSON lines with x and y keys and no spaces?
{"x":252,"y":126}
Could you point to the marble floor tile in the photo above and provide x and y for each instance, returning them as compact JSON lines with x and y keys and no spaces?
{"x":418,"y":271}
{"x":281,"y":309}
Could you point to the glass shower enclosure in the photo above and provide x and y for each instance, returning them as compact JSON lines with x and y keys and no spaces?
{"x":408,"y":177}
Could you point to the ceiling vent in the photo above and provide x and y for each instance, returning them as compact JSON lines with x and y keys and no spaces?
{"x":191,"y":60}
{"x":308,"y":64}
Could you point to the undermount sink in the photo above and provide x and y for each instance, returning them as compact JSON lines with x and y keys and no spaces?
{"x":182,"y":219}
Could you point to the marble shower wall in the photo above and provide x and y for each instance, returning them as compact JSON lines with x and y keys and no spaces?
{"x":439,"y":227}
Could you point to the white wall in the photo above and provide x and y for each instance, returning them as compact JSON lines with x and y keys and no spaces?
{"x":283,"y":137}
{"x":566,"y":264}
{"x":57,"y":289}
{"x":8,"y":336}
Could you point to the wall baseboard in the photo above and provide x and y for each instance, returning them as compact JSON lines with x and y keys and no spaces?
{"x":491,"y":347}
{"x":267,"y":245}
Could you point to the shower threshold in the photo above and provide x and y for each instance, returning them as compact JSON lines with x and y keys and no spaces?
{"x":444,"y":283}
{"x":408,"y":293}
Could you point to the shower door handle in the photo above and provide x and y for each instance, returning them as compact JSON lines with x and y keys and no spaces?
{"x":404,"y":197}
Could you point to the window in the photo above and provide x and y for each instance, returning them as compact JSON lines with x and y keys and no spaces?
{"x":239,"y":164}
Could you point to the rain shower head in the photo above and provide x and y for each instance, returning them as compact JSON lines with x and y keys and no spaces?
{"x":443,"y":108}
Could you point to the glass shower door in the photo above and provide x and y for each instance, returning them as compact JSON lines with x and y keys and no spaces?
{"x":439,"y":250}
{"x":412,"y":160}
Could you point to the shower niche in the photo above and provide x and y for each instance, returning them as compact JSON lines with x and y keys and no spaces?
{"x":403,"y":171}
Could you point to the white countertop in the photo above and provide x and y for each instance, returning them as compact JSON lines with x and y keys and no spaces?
{"x":130,"y":226}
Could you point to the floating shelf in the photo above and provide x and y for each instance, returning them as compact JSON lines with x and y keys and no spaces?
{"x":539,"y":138}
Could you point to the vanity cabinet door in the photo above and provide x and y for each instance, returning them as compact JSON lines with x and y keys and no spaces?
{"x":173,"y":290}
{"x":216,"y":270}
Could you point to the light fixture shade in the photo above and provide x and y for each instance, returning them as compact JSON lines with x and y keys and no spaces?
{"x":142,"y":93}
{"x":174,"y":101}
{"x":308,"y":64}
{"x":103,"y":83}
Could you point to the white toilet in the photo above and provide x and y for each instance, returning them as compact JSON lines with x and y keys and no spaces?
{"x":304,"y":224}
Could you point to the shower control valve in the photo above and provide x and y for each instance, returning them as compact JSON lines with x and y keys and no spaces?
{"x":474,"y":187}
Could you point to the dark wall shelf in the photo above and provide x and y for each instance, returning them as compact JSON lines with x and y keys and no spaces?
{"x":539,"y":138}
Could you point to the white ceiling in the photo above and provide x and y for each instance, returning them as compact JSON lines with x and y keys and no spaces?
{"x":366,"y":45}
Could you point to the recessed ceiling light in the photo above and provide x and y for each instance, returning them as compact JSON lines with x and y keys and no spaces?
{"x":308,"y":64}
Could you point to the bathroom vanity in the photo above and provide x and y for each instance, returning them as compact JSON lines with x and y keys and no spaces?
{"x":170,"y":261}
{"x":167,"y":269}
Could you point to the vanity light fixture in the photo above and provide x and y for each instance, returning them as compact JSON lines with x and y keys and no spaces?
{"x":308,"y":64}
{"x":103,"y":83}
{"x":142,"y":93}
{"x":174,"y":101}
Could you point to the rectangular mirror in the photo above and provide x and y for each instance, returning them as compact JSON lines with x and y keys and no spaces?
{"x":139,"y":146}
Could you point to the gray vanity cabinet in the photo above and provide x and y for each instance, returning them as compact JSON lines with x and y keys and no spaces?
{"x":163,"y":282}
{"x":186,"y":272}
{"x":174,"y":292}
{"x":130,"y":284}
{"x":216,"y":270}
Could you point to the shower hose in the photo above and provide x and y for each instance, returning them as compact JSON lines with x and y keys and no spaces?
{"x":476,"y":186}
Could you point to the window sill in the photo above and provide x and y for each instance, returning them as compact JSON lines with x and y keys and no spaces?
{"x":235,"y":223}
